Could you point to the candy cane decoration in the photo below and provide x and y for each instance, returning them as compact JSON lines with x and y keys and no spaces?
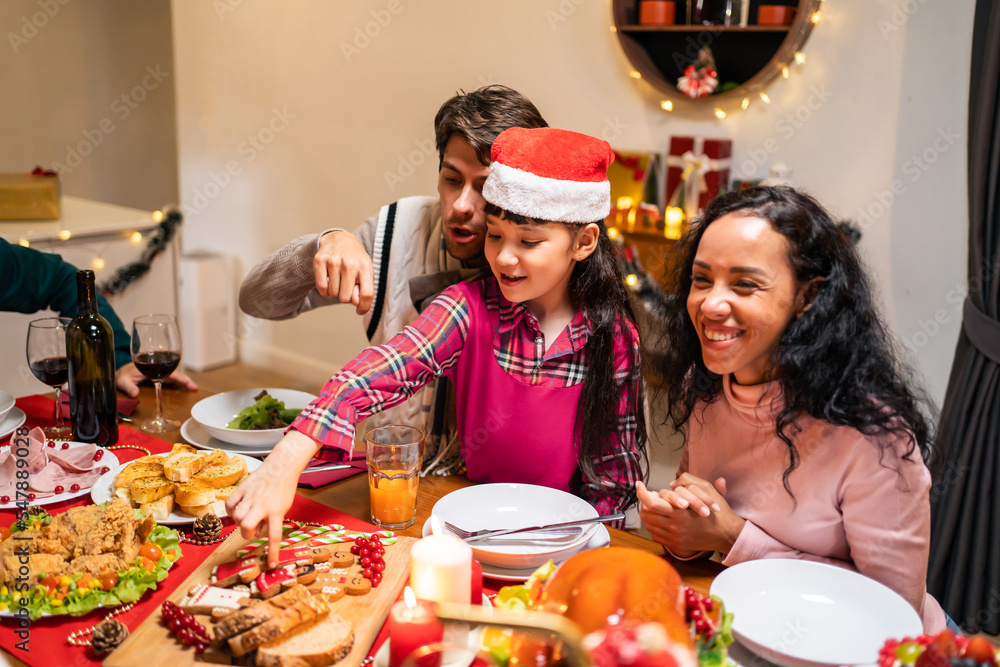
{"x":387,"y":536}
{"x":292,"y":538}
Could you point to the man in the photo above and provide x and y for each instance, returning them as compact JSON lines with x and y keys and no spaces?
{"x":31,"y":281}
{"x":407,"y":253}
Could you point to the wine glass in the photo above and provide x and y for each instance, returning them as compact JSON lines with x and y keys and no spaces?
{"x":156,"y":352}
{"x":46,"y":349}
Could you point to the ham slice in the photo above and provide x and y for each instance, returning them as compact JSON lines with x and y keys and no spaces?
{"x":36,"y":451}
{"x":77,"y":459}
{"x":7,"y":469}
{"x":54,"y":475}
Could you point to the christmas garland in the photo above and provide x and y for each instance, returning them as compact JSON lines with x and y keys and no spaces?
{"x":158,"y":240}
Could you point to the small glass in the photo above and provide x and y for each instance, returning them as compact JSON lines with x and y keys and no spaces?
{"x":46,"y":351}
{"x":156,"y":352}
{"x":394,"y":454}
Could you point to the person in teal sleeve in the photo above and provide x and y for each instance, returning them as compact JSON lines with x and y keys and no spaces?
{"x":31,"y":281}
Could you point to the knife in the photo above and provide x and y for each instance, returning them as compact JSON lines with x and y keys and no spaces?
{"x":569,"y":524}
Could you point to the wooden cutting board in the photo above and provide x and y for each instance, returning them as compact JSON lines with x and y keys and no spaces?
{"x":152,"y":645}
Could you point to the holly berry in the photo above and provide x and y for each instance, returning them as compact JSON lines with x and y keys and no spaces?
{"x":59,"y":489}
{"x":31,"y":497}
{"x":366,"y":562}
{"x":378,"y":551}
{"x":99,"y":454}
{"x":65,"y":445}
{"x":355,"y":549}
{"x":4,"y":500}
{"x":185,"y":626}
{"x":376,"y":579}
{"x":365,"y":552}
{"x":378,"y":565}
{"x":368,"y":572}
{"x":980,"y":650}
{"x":74,"y":488}
{"x":51,"y":444}
{"x":105,"y":470}
{"x":361,"y":542}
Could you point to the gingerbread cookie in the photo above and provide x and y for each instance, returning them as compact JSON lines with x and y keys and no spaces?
{"x":271,"y":583}
{"x":245,"y":570}
{"x":328,"y":584}
{"x":342,"y":556}
{"x":202,"y":599}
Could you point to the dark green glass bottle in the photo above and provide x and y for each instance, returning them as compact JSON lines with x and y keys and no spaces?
{"x":90,"y":350}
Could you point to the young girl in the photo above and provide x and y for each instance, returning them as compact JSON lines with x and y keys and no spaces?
{"x":802,"y":438}
{"x":543,"y":354}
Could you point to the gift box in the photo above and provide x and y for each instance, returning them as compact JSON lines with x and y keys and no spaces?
{"x":33,"y":196}
{"x":697,"y":171}
{"x":775,"y":15}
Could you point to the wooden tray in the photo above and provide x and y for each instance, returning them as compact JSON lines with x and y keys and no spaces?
{"x":152,"y":645}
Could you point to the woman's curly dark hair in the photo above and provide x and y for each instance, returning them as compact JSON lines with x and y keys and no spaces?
{"x":837,"y":362}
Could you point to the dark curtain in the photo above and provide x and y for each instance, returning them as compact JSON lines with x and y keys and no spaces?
{"x":964,"y":568}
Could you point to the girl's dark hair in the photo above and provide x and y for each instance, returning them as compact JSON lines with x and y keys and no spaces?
{"x":837,"y":362}
{"x":597,"y":286}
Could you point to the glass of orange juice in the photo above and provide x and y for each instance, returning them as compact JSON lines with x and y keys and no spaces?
{"x":394,"y":454}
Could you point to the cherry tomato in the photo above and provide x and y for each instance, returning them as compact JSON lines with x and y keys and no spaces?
{"x":109,"y":580}
{"x":4,"y":533}
{"x":151,"y":551}
{"x":50,"y":583}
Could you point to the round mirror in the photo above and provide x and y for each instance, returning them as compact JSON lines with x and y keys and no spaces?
{"x":752,"y":43}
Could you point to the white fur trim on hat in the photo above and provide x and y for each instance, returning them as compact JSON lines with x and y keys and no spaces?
{"x":541,"y":198}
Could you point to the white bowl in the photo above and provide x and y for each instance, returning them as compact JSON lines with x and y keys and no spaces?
{"x":6,"y":404}
{"x":214,"y":412}
{"x":797,"y":613}
{"x":499,"y":506}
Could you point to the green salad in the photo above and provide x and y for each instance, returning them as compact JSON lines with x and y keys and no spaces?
{"x":268,"y":412}
{"x":79,"y":593}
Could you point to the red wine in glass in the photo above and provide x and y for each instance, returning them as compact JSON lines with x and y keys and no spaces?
{"x":157,"y":365}
{"x":46,"y":352}
{"x":156,"y":352}
{"x":53,"y":371}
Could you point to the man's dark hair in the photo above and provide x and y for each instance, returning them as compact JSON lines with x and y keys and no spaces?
{"x":479,"y":116}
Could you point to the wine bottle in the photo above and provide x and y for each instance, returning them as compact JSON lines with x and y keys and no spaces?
{"x":90,"y":344}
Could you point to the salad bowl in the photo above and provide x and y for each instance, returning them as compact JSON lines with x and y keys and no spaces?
{"x":215,"y":413}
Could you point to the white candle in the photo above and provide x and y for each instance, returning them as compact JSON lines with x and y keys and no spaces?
{"x":441,"y":569}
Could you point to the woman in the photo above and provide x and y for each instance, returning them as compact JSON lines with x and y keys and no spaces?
{"x":802,"y":439}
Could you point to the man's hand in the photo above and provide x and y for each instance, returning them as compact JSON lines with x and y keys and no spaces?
{"x":343,"y":269}
{"x":128,"y":377}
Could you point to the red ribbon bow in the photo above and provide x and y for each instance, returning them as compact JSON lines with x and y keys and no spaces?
{"x":631,"y":163}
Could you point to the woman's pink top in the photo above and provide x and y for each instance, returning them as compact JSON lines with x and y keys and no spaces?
{"x":853,"y":510}
{"x":510,"y":431}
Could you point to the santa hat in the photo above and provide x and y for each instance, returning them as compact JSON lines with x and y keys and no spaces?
{"x":550,"y":174}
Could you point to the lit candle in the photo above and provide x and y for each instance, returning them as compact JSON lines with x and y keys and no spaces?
{"x":674,"y":221}
{"x":412,"y":624}
{"x":441,"y":569}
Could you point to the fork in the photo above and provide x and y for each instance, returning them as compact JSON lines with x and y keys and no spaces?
{"x":466,"y":535}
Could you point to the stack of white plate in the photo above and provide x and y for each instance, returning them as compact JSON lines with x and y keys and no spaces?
{"x":10,"y":417}
{"x":502,"y":506}
{"x":207,"y":427}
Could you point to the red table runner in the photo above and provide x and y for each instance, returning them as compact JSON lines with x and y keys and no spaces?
{"x":46,"y":643}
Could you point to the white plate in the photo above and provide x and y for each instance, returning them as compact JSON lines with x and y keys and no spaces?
{"x":799,"y":613}
{"x":6,"y":405}
{"x":104,"y":490}
{"x":10,"y":423}
{"x":214,"y":412}
{"x":108,"y":459}
{"x":195,"y":435}
{"x":381,"y":657}
{"x":601,"y":539}
{"x":501,"y":506}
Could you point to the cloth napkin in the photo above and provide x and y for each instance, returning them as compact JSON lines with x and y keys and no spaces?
{"x":315,"y":480}
{"x":126,"y":406}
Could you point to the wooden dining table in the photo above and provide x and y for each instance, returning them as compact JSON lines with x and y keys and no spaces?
{"x":350,"y":495}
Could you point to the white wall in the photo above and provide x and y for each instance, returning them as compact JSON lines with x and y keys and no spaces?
{"x":346,"y":109}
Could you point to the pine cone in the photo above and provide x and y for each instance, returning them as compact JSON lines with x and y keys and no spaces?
{"x":207,"y":527}
{"x":108,"y":635}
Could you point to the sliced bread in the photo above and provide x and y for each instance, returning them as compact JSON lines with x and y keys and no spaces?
{"x":194,"y":492}
{"x":243,"y":619}
{"x":136,"y":470}
{"x":217,"y":507}
{"x":149,"y":489}
{"x":219,"y":476}
{"x":182,"y":466}
{"x":282,"y":623}
{"x":159,"y":509}
{"x":216,"y":457}
{"x":323,"y":642}
{"x":183,"y":448}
